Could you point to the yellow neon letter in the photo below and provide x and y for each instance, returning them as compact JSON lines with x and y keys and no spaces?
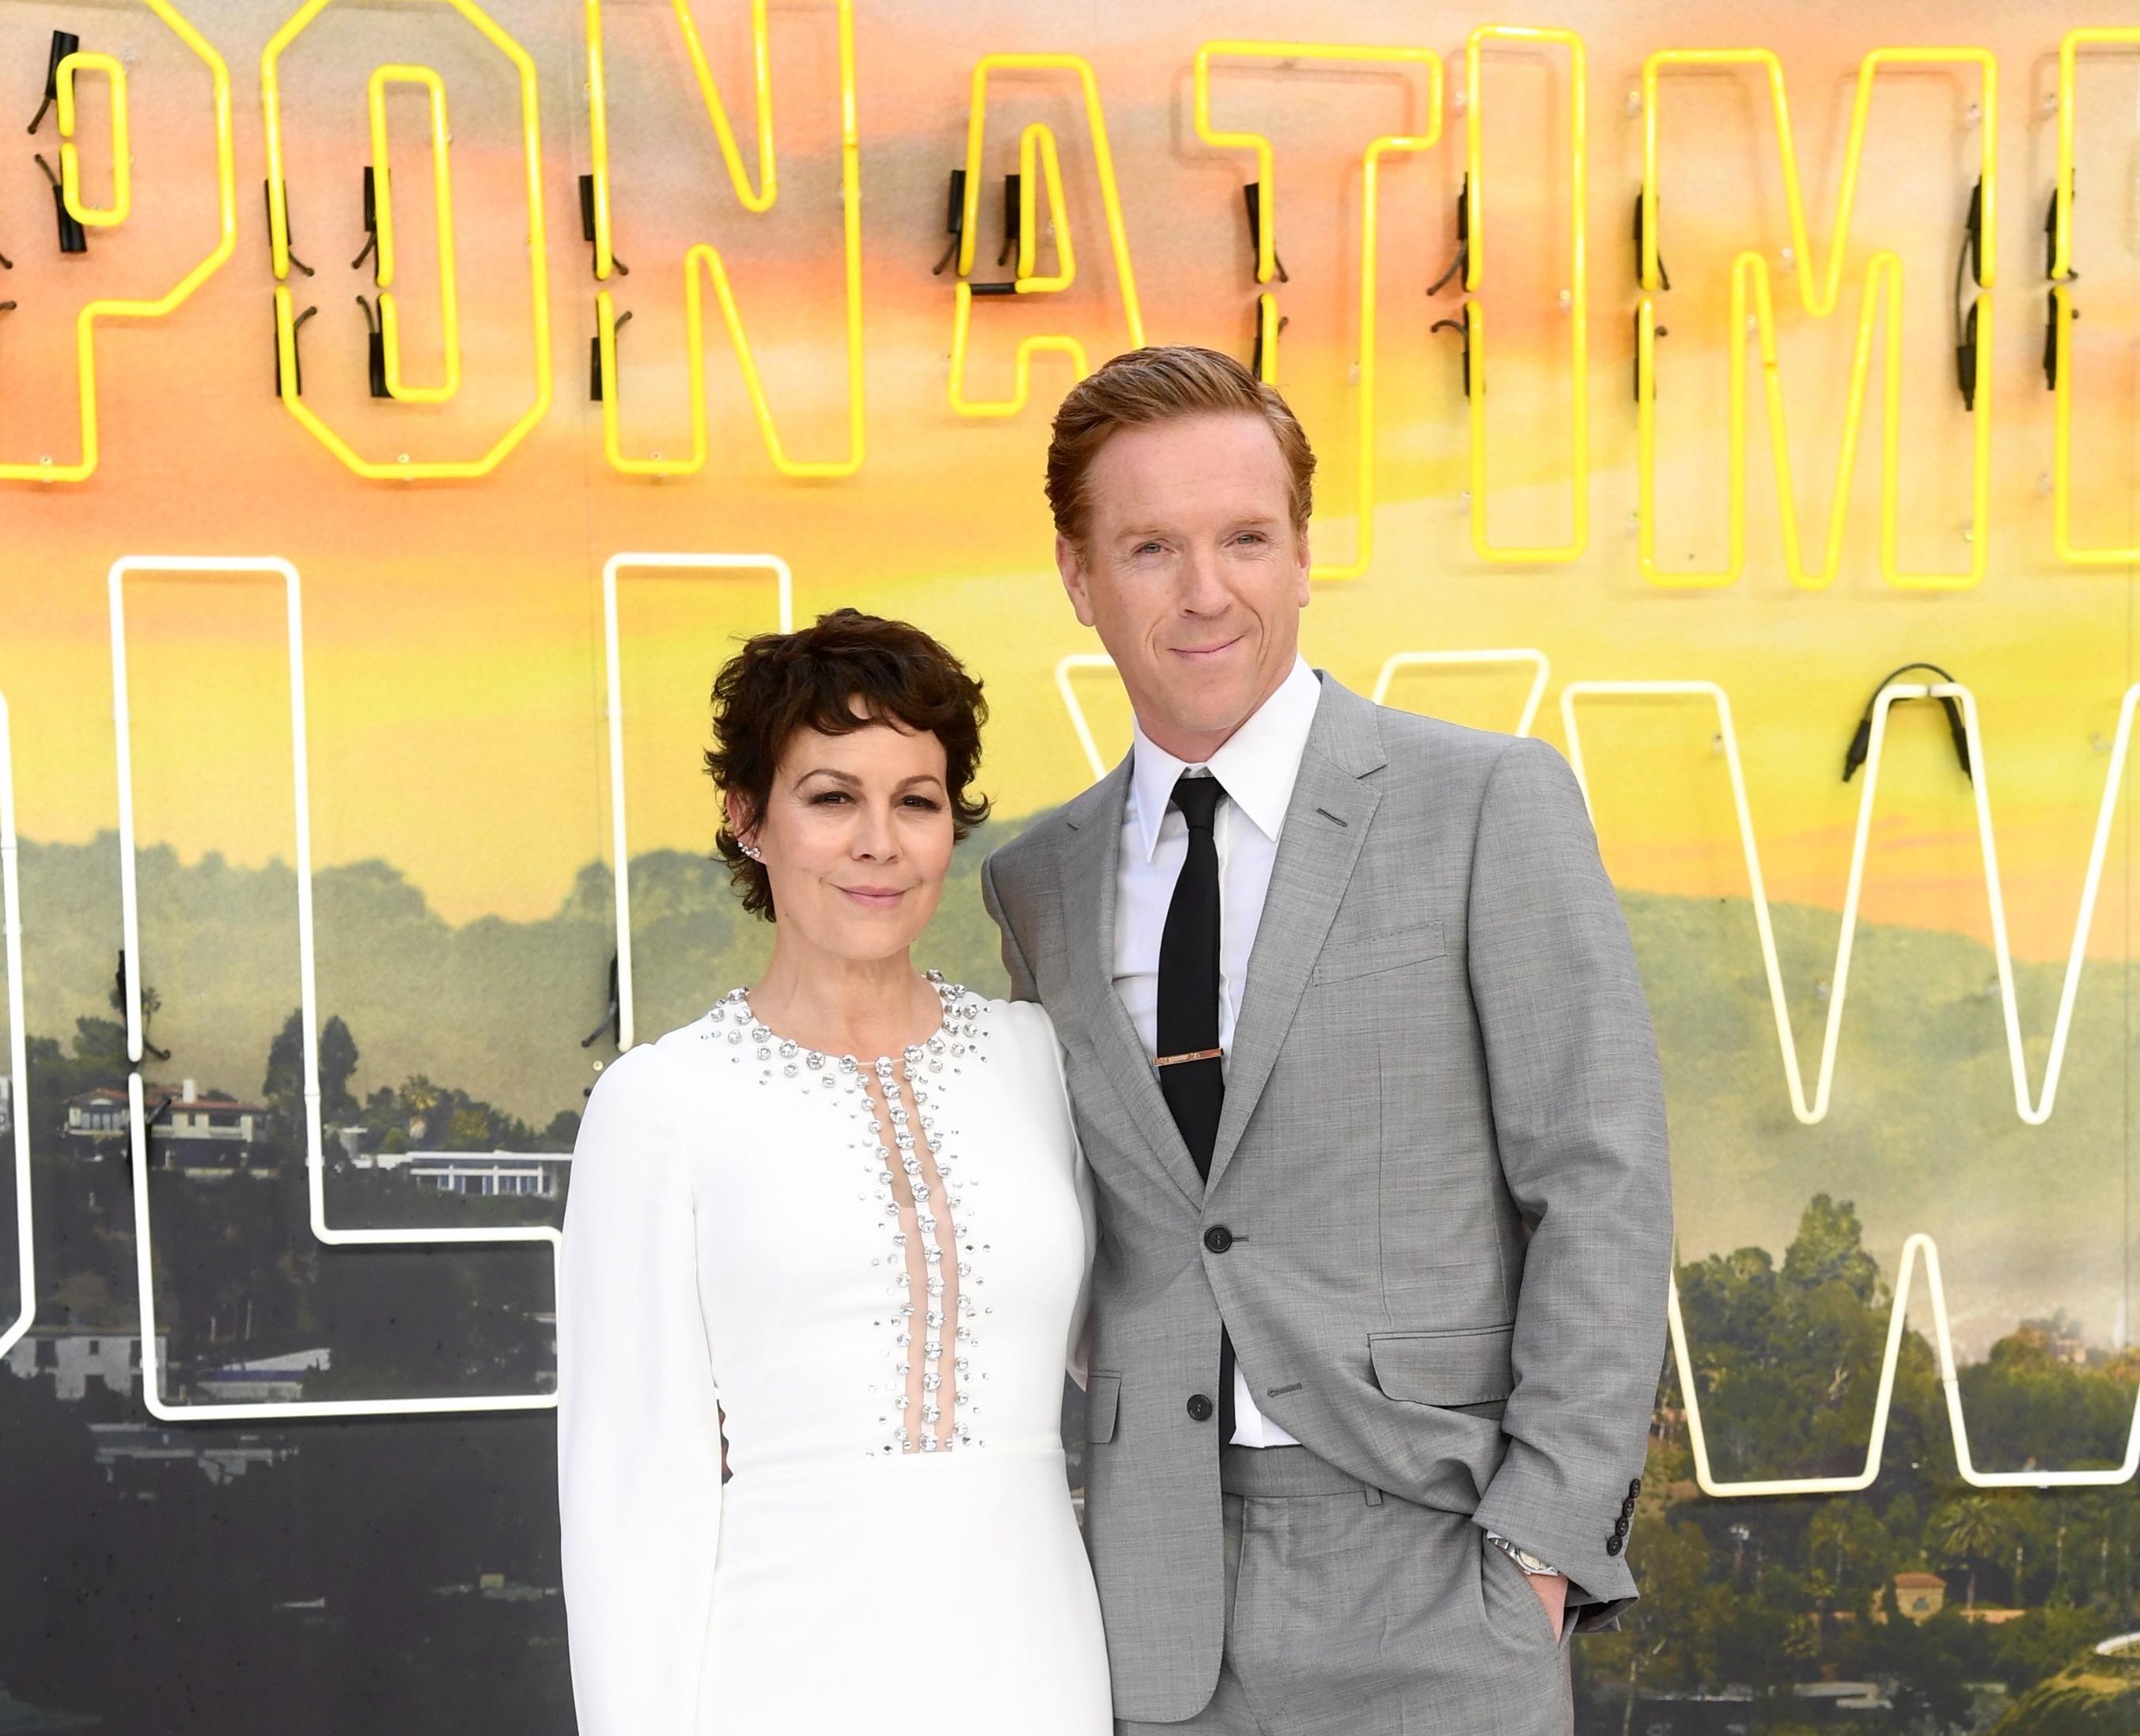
{"x":442,"y":188}
{"x":1750,"y":300}
{"x":1370,"y":211}
{"x":226,"y":183}
{"x":1579,"y":310}
{"x":122,"y":167}
{"x":1036,"y":152}
{"x":703,"y":260}
{"x":403,"y":468}
{"x":2062,"y":315}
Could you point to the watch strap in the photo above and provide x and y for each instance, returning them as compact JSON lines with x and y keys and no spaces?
{"x":1522,"y":1557}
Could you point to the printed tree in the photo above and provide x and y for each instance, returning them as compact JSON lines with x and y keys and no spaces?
{"x":283,"y":1087}
{"x":1966,"y":1531}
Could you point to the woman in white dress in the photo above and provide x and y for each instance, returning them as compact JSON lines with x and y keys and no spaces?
{"x":843,"y":1215}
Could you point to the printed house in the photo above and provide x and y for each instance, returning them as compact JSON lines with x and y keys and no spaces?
{"x":1920,"y":1596}
{"x":188,"y":1130}
{"x":262,"y":1379}
{"x":75,"y":1356}
{"x":541,"y":1174}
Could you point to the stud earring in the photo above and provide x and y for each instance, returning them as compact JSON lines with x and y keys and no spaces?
{"x":753,"y":851}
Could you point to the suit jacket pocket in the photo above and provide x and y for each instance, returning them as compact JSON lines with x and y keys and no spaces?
{"x":1448,"y":1369}
{"x":1103,"y":1393}
{"x":1413,"y":944}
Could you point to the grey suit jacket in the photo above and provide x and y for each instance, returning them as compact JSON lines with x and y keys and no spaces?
{"x":1442,"y":1161}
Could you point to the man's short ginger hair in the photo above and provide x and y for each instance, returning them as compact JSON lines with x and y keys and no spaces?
{"x":1159,"y":384}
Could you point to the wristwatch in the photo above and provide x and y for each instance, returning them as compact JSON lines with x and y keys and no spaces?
{"x":1522,"y":1557}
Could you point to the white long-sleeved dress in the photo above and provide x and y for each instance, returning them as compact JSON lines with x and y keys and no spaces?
{"x":873,"y":1270}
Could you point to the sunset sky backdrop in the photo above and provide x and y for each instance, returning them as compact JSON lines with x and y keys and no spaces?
{"x":453,"y":629}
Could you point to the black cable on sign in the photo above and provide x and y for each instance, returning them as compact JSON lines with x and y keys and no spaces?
{"x":74,"y":239}
{"x":1254,"y":194}
{"x":64,"y":43}
{"x":370,"y":227}
{"x":595,"y":388}
{"x":151,"y":1117}
{"x":1861,"y":739}
{"x":2051,"y":300}
{"x":1664,"y":277}
{"x":1462,"y":328}
{"x":374,"y":350}
{"x":612,"y":1022}
{"x":1463,"y":241}
{"x":1008,"y":250}
{"x":955,"y":221}
{"x":267,"y":190}
{"x":1256,"y":358}
{"x":1664,"y":281}
{"x":297,"y":382}
{"x":118,"y":1000}
{"x":1971,"y":258}
{"x":587,"y":223}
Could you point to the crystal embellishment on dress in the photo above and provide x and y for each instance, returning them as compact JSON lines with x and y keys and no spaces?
{"x":909,"y":1165}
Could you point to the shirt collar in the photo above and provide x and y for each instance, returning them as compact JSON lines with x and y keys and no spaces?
{"x":1258,"y":764}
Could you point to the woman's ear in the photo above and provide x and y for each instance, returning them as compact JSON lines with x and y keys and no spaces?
{"x":743,"y":824}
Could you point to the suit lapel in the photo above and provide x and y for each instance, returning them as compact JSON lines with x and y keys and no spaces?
{"x":1326,"y":824}
{"x":1089,"y":862}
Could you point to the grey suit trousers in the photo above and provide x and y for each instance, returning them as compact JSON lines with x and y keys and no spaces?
{"x":1350,"y":1612}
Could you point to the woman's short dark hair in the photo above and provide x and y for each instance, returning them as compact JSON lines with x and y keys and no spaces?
{"x":846,"y":672}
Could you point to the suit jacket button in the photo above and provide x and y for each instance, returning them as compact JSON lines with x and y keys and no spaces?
{"x":1612,"y":1544}
{"x":1620,"y":1527}
{"x":1218,"y":1238}
{"x":1200,"y":1407}
{"x":1635,"y":1488}
{"x":1628,"y":1507}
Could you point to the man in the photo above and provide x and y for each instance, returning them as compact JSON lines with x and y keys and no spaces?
{"x":1360,"y":1059}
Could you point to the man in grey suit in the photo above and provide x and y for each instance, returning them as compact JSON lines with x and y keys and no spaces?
{"x":1359,"y":1057}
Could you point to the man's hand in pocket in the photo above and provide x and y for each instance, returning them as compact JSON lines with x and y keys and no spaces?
{"x":1552,"y":1589}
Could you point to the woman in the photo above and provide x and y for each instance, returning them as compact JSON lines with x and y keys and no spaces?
{"x":843,"y":1215}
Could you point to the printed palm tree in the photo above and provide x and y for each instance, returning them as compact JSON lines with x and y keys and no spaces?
{"x":152,"y":1003}
{"x":1965,"y":1531}
{"x":419,"y":1098}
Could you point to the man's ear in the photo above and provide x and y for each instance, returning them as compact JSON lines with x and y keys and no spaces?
{"x":1071,"y":564}
{"x":1307,"y":564}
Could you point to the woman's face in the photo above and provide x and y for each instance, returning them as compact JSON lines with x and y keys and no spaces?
{"x":856,"y":837}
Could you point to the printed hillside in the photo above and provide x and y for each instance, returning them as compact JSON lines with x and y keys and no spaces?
{"x":497,"y":1007}
{"x":1922,"y":1132}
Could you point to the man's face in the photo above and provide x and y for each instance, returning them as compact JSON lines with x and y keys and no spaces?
{"x":1192,"y":573}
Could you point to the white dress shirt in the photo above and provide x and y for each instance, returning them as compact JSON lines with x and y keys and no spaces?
{"x":1258,"y":765}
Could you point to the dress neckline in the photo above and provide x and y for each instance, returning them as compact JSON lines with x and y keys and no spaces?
{"x":957,"y":1012}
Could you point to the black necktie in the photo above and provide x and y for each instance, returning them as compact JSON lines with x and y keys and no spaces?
{"x":1189,"y":1074}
